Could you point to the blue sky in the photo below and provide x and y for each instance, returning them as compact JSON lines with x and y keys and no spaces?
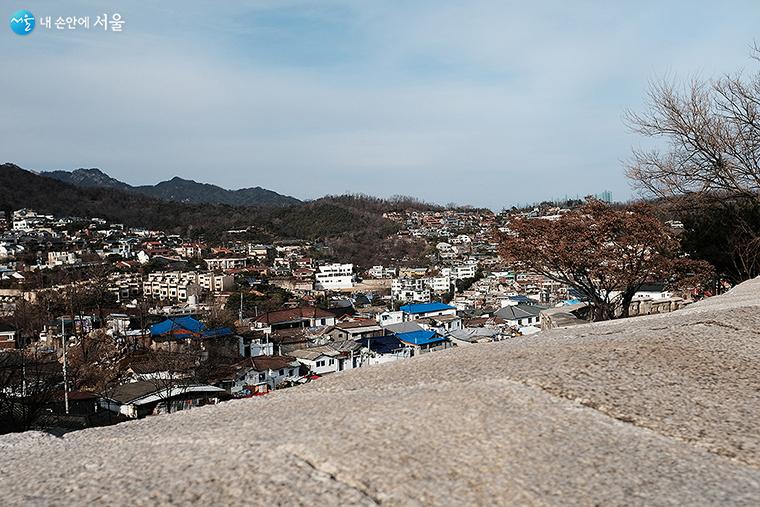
{"x":489,"y":103}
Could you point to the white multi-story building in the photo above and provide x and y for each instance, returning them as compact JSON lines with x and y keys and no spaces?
{"x":215,"y":282}
{"x":62,"y":258}
{"x":166,"y":286}
{"x":381,"y":272}
{"x":410,"y":289}
{"x":189,"y":250}
{"x":439,"y":283}
{"x":258,"y":250}
{"x":413,"y":296}
{"x":334,"y":277}
{"x":419,"y":290}
{"x":125,"y":286}
{"x":27,"y":220}
{"x":226,"y":263}
{"x":122,"y":248}
{"x":176,"y":285}
{"x":462,"y":271}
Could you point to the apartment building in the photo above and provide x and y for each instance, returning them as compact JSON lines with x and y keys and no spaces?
{"x":62,"y":258}
{"x":439,"y":283}
{"x":334,"y":277}
{"x":410,"y":289}
{"x":462,"y":271}
{"x":125,"y":286}
{"x":419,"y":290}
{"x":381,"y":272}
{"x":226,"y":263}
{"x":177,"y":285}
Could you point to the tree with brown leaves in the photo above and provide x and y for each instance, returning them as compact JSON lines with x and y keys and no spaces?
{"x":605,"y":253}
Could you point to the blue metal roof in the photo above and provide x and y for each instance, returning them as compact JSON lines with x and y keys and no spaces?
{"x":186,"y":327}
{"x":382,"y":344}
{"x":425,"y":307}
{"x":177,"y":326}
{"x":420,"y":337}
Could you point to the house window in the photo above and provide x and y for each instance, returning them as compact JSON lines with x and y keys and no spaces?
{"x":282,"y":372}
{"x":320,"y":364}
{"x":290,"y":373}
{"x":262,"y":377}
{"x":332,"y":361}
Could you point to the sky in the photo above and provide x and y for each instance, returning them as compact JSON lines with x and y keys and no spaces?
{"x":488,"y":103}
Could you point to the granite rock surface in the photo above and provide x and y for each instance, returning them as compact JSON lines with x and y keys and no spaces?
{"x":656,"y":410}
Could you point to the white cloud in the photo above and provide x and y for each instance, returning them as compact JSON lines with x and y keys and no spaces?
{"x":489,"y":103}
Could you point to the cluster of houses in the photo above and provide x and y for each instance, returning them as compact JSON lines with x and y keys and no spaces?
{"x":292,"y":346}
{"x":274,"y":350}
{"x":334,"y":317}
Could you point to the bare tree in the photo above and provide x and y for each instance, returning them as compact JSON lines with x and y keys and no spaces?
{"x":712,"y":160}
{"x":29,"y":381}
{"x":170,"y":373}
{"x":712,"y":129}
{"x":142,"y":311}
{"x":74,"y":298}
{"x":29,"y":319}
{"x":710,"y":170}
{"x":98,"y":289}
{"x":98,"y":366}
{"x":218,"y":316}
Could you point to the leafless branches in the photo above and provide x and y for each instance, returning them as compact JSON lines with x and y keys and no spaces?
{"x":712,"y":130}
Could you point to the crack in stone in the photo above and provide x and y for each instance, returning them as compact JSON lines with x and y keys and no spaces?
{"x":333,"y":477}
{"x":712,"y":322}
{"x":632,"y":421}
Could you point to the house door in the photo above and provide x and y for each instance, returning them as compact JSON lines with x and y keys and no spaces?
{"x":340,"y":364}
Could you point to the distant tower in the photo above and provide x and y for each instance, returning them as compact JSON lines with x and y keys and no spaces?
{"x":605,"y":196}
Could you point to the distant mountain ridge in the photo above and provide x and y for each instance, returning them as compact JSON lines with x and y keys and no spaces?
{"x":352,"y":225}
{"x":177,"y":189}
{"x":87,"y":178}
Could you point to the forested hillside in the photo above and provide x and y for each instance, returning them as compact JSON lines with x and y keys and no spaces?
{"x":354,"y":224}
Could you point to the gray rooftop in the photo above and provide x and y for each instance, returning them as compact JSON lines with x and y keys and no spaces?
{"x":656,"y":410}
{"x":403,"y":327}
{"x":514,"y":312}
{"x":471,"y":334}
{"x":126,"y":393}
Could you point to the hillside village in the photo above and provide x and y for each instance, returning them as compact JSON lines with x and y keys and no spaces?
{"x":111,"y":323}
{"x":368,"y":253}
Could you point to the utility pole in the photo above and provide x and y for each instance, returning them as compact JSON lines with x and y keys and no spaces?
{"x":65,"y":376}
{"x":240,"y":315}
{"x":23,"y":366}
